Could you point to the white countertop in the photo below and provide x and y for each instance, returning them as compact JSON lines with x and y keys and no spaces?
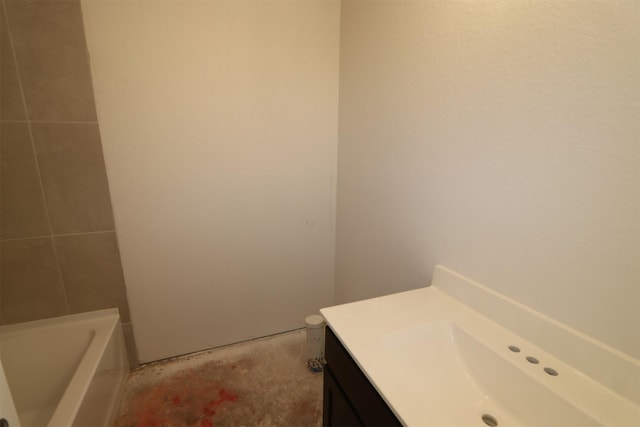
{"x":364,"y":328}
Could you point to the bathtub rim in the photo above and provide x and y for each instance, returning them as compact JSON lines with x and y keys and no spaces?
{"x":105,"y":321}
{"x":59,"y":320}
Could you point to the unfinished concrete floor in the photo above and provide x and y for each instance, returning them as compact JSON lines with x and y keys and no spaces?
{"x":264,"y":382}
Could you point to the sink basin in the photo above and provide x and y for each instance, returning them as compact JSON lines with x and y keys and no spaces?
{"x":476,"y":385}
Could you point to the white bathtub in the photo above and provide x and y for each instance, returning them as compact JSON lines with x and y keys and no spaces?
{"x":65,"y":371}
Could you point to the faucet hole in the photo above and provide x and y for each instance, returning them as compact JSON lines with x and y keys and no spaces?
{"x":489,"y":420}
{"x":514,"y":349}
{"x":533,"y":360}
{"x":551,"y":372}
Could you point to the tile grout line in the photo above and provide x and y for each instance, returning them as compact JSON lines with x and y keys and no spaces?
{"x":11,"y":239}
{"x":35,"y":155}
{"x":67,"y":122}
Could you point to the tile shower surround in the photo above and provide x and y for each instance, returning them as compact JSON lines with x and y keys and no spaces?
{"x":59,"y":252}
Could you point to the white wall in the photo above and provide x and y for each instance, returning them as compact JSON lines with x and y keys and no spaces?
{"x":500,"y":139}
{"x":219,"y":128}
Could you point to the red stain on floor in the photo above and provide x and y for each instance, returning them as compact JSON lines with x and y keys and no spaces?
{"x":223,"y":396}
{"x":189,"y":398}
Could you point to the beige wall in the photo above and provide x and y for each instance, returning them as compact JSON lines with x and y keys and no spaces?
{"x":219,"y":126}
{"x":500,"y":139}
{"x":59,"y":248}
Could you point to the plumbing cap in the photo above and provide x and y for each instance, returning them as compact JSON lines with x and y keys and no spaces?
{"x":314,"y":321}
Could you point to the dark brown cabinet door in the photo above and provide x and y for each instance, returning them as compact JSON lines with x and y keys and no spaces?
{"x":349,"y":398}
{"x":337,"y":410}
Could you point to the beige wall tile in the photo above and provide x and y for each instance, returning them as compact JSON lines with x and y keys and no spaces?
{"x":73,"y":176}
{"x":92,"y":272}
{"x":53,"y":67}
{"x":23,"y":209}
{"x":11,"y":104}
{"x":52,"y":58}
{"x":31,"y":287}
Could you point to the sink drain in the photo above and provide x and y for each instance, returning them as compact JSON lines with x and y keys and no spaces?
{"x":489,"y":420}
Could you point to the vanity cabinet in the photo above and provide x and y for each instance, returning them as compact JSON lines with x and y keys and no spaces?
{"x":349,"y":397}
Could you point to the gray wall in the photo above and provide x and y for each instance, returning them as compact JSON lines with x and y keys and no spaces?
{"x":59,"y":249}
